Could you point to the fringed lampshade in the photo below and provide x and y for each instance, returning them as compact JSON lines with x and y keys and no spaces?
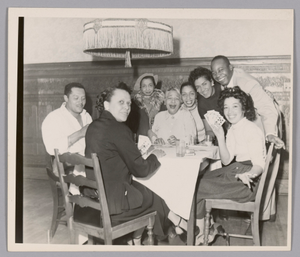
{"x":128,"y":38}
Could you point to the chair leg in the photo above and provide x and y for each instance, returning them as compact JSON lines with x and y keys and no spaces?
{"x":207,"y":225}
{"x":74,"y":236}
{"x":227,"y":240}
{"x":255,"y":229}
{"x":150,"y":230}
{"x":90,"y":240}
{"x":55,"y":214}
{"x":108,"y":240}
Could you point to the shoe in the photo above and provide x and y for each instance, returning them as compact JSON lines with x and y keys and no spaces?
{"x":183,"y":236}
{"x":130,"y":240}
{"x":178,"y":229}
{"x":215,"y":229}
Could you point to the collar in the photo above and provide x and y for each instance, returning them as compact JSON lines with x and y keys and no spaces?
{"x":107,"y":115}
{"x":241,"y":123}
{"x":185,"y":108}
{"x":65,"y":110}
{"x":231,"y":83}
{"x":170,"y":116}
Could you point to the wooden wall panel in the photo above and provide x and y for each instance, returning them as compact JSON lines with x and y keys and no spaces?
{"x":44,"y":86}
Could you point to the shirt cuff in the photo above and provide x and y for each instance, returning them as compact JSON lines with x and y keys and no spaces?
{"x":266,"y":137}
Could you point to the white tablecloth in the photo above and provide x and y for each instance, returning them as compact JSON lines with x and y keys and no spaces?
{"x":176,"y":178}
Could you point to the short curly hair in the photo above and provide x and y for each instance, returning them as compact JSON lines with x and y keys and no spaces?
{"x":186,"y":84}
{"x":245,"y":99}
{"x":198,"y":73}
{"x":107,"y":94}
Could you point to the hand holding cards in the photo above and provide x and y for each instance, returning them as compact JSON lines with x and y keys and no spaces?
{"x":214,"y":118}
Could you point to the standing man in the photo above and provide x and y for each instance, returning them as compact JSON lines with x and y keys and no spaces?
{"x":65,"y":127}
{"x":228,"y":76}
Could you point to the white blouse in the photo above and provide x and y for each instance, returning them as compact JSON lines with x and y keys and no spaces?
{"x":245,"y":141}
{"x":181,"y":125}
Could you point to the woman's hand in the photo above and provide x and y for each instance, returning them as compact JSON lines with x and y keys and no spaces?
{"x":172,"y":140}
{"x":218,"y":130}
{"x":246,"y":178}
{"x":158,"y":153}
{"x":159,"y":141}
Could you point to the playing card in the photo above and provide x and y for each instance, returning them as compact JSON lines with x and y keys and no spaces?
{"x":144,"y":144}
{"x":214,"y":117}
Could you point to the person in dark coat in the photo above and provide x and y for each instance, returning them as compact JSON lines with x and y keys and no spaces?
{"x":147,"y":101}
{"x":112,"y":140}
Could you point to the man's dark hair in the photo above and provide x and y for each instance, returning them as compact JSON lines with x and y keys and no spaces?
{"x":68,"y":88}
{"x":218,"y":57}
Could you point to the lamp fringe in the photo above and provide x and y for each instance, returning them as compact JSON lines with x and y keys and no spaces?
{"x":127,"y":59}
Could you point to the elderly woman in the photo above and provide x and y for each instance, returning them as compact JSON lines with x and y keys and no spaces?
{"x":189,"y":98}
{"x":245,"y":143}
{"x":172,"y":124}
{"x":120,"y":159}
{"x":147,"y":102}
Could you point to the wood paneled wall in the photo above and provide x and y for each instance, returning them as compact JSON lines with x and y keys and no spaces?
{"x":44,"y":86}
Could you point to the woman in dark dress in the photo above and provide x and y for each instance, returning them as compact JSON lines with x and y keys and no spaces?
{"x":111,"y":139}
{"x":208,"y":93}
{"x":147,"y":102}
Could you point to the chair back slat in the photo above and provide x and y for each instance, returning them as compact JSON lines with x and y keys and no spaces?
{"x":270,"y":180}
{"x":270,"y":170}
{"x":80,"y":180}
{"x":75,"y":159}
{"x":264,"y":174}
{"x":84,"y":201}
{"x":102,"y":195}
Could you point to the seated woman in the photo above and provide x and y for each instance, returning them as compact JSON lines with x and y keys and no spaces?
{"x":172,"y":124}
{"x":246,"y":143}
{"x":120,"y":159}
{"x":208,"y":93}
{"x":189,"y":98}
{"x":147,"y":102}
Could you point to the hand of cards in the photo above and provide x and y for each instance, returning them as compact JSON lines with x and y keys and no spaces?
{"x":144,"y":144}
{"x":214,"y":118}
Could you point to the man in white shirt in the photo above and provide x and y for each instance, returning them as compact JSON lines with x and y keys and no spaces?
{"x":228,"y":76}
{"x":65,"y":127}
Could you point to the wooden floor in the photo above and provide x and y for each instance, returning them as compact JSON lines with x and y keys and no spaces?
{"x":38,"y":211}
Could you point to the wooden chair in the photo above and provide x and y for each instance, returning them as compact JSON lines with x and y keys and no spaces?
{"x":108,"y":232}
{"x":267,"y":179}
{"x":58,"y":202}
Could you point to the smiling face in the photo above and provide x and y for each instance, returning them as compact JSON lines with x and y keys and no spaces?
{"x":233,"y":110}
{"x":204,"y":87}
{"x":147,"y":86}
{"x":173,"y":102}
{"x":221,"y":71}
{"x":119,"y":105}
{"x":75,"y":101}
{"x":188,"y":95}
